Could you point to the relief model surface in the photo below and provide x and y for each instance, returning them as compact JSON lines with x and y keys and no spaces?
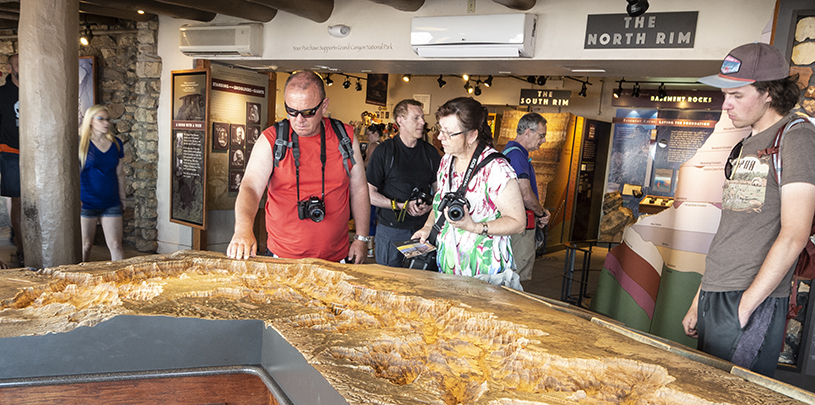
{"x":380,"y":335}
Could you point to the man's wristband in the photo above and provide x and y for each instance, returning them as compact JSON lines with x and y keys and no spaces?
{"x":485,"y":229}
{"x":365,"y":239}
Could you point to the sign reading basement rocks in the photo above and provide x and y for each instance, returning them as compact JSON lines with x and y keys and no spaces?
{"x":650,"y":30}
{"x":545,"y":98}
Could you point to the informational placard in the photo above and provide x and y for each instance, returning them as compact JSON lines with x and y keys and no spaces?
{"x":377,"y":89}
{"x":676,"y":99}
{"x":189,"y":147}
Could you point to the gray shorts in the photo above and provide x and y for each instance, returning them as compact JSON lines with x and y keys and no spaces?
{"x":755,"y":346}
{"x":9,"y":174}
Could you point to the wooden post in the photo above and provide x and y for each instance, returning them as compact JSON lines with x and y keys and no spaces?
{"x":49,"y":99}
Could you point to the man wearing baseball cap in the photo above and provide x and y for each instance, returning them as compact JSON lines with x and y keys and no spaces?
{"x":740,"y":310}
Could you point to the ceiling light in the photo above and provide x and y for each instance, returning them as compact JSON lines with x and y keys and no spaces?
{"x":488,"y":82}
{"x":619,"y":90}
{"x":636,"y":91}
{"x":541,"y":80}
{"x":661,"y":91}
{"x":347,"y":83}
{"x":406,"y":78}
{"x":636,"y":7}
{"x":477,"y":90}
{"x":466,"y":78}
{"x":531,"y":79}
{"x":582,"y":91}
{"x":467,"y":87}
{"x":358,"y":87}
{"x":328,"y":81}
{"x":441,"y":81}
{"x":87,"y":35}
{"x":140,"y":11}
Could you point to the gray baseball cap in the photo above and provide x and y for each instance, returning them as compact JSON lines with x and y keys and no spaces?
{"x":750,"y":63}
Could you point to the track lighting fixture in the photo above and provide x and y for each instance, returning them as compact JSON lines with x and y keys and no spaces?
{"x":531,"y":79}
{"x":636,"y":91}
{"x":468,"y":87}
{"x":466,"y":77}
{"x":488,"y":82}
{"x":661,"y":91}
{"x":347,"y":83}
{"x":582,"y":92}
{"x":619,"y":90}
{"x":328,"y":81}
{"x":406,"y":78}
{"x":441,"y":81}
{"x":636,"y":7}
{"x":87,"y":34}
{"x":541,"y":80}
{"x":358,"y":87}
{"x":477,"y":90}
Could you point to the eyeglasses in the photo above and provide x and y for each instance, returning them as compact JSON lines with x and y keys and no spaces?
{"x":735,"y":155}
{"x":106,"y":119}
{"x":307,"y":113}
{"x":441,"y":132}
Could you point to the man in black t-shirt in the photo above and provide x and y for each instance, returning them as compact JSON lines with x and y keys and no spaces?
{"x":397,"y":167}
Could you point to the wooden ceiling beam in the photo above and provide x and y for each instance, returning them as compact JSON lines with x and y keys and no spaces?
{"x":150,"y":6}
{"x":522,"y":5}
{"x":314,"y":10}
{"x":94,"y":10}
{"x":7,"y":15}
{"x":401,"y":5}
{"x":9,"y":24}
{"x":236,"y":8}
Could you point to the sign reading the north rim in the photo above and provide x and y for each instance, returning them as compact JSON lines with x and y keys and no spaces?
{"x":545,"y":98}
{"x":650,"y":30}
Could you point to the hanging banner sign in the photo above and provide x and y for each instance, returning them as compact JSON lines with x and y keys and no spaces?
{"x":545,"y":98}
{"x":676,"y":99}
{"x":650,"y":30}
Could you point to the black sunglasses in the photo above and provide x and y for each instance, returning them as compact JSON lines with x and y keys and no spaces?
{"x":735,"y":155}
{"x":307,"y":113}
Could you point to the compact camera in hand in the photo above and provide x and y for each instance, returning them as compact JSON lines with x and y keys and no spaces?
{"x":455,"y":203}
{"x":421,"y":197}
{"x":312,"y":208}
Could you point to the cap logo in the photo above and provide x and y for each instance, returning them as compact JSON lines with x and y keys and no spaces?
{"x":730,"y":65}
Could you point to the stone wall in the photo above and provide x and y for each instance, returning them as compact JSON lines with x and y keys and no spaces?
{"x":128,"y":72}
{"x":803,"y":63}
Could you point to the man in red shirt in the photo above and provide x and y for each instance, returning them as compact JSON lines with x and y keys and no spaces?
{"x":295,"y":183}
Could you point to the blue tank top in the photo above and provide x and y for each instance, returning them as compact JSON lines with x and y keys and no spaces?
{"x":98,"y":184}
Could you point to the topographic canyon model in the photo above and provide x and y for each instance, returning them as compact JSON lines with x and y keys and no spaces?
{"x":381,"y":335}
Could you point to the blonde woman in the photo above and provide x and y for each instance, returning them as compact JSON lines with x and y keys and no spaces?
{"x":101,"y":180}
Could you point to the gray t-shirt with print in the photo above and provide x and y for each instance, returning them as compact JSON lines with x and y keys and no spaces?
{"x":751,"y":208}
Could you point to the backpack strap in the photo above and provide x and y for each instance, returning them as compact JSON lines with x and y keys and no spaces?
{"x":282,"y":142}
{"x":775,"y":150}
{"x":346,"y":147}
{"x":510,"y":149}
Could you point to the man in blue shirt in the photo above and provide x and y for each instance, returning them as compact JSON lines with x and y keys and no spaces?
{"x":531,"y":134}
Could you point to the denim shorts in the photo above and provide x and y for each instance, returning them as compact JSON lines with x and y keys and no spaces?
{"x":9,"y":174}
{"x":115,"y":211}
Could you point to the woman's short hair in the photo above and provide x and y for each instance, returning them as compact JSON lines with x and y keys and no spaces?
{"x":470,"y":114}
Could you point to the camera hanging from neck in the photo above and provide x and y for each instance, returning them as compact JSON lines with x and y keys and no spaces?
{"x":295,"y":148}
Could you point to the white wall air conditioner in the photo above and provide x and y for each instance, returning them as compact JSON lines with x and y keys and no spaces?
{"x":221,"y":40}
{"x":474,"y":36}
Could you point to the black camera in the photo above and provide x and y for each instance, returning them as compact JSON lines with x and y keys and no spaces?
{"x":312,"y":208}
{"x":455,"y":203}
{"x":421,"y":197}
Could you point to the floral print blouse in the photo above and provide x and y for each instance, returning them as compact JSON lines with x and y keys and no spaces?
{"x":466,"y":253}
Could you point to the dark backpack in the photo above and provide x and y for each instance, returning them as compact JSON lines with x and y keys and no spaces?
{"x":283,"y":142}
{"x":806,"y":260}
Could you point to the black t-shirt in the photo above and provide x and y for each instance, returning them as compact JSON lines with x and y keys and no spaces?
{"x":9,"y":121}
{"x":395,"y":170}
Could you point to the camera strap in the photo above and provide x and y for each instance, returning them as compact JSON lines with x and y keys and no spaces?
{"x":295,"y":149}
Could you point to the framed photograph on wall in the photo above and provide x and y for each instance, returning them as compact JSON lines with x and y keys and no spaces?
{"x":425,"y":100}
{"x":87,"y":84}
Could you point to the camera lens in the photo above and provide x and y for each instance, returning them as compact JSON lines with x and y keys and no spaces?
{"x":455,"y":210}
{"x":316,"y":214}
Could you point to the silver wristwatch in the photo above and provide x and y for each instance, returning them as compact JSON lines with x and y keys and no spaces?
{"x":365,"y":239}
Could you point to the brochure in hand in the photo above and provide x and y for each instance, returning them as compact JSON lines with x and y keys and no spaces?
{"x":414,"y":247}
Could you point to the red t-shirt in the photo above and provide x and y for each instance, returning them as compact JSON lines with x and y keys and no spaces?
{"x":289,"y":236}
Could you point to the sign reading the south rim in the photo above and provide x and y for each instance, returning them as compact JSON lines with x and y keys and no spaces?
{"x":545,"y":98}
{"x":650,"y":30}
